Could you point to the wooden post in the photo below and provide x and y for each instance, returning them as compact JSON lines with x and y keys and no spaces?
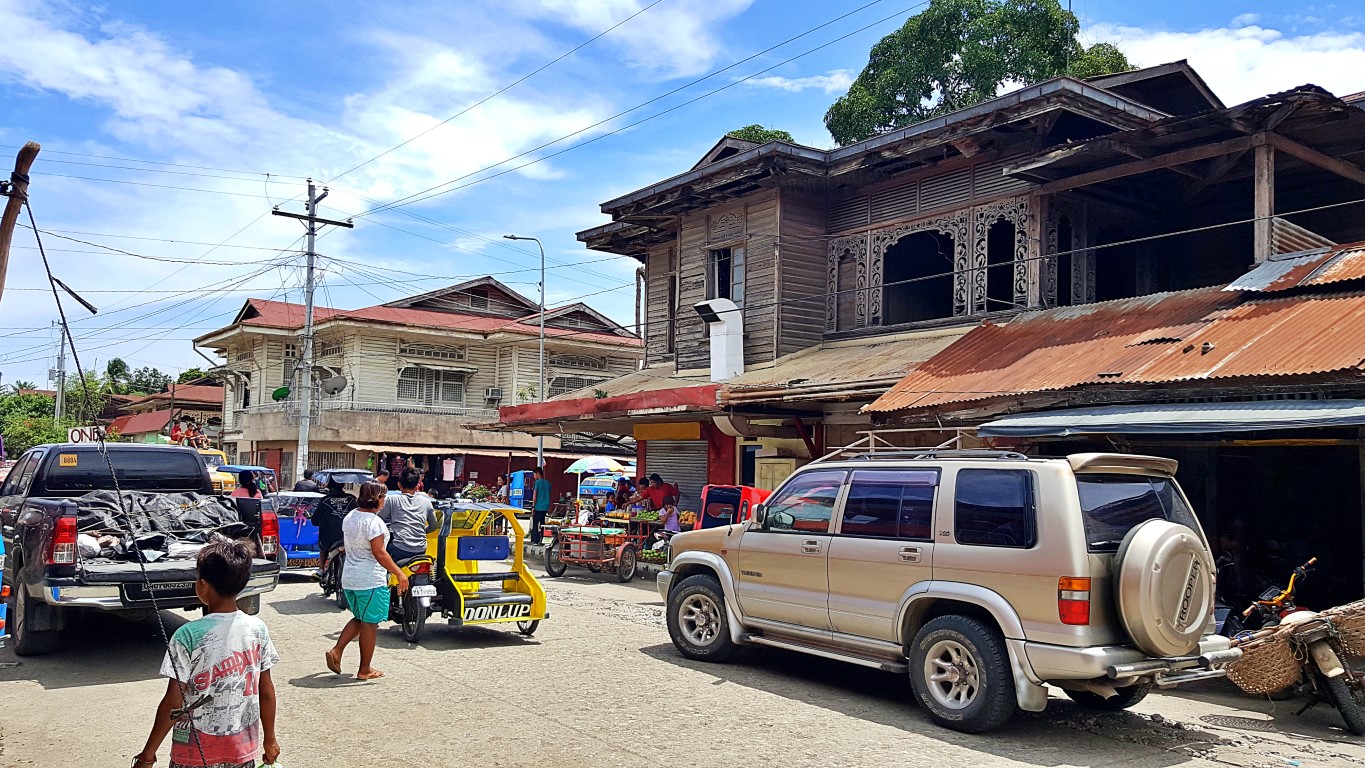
{"x":18,"y":194}
{"x":1265,"y":197}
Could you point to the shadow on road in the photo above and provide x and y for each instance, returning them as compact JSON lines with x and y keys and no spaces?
{"x":1260,"y":714}
{"x":100,"y":649}
{"x":313,"y":602}
{"x":886,"y":699}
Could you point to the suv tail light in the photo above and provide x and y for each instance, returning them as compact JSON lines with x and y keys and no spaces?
{"x":270,"y":533}
{"x":63,"y":550}
{"x":1073,"y":600}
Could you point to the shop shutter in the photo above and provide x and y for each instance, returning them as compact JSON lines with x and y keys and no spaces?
{"x":682,"y":463}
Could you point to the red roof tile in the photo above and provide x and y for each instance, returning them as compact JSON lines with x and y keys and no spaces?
{"x":142,"y":423}
{"x":278,"y":314}
{"x":1190,"y":335}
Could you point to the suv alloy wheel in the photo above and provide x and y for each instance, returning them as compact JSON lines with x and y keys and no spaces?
{"x":697,"y":620}
{"x":960,"y":672}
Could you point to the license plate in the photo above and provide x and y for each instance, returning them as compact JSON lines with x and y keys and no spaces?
{"x":424,"y":590}
{"x":304,"y":562}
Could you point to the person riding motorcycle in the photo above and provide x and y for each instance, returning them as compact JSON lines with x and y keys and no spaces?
{"x":410,"y":517}
{"x":329,"y":514}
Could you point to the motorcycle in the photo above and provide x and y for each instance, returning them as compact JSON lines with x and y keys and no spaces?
{"x":410,"y":609}
{"x":330,"y":576}
{"x":1317,"y":647}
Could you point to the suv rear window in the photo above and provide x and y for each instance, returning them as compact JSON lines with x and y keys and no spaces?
{"x":995,"y":508}
{"x":890,"y":504}
{"x":1113,"y":505}
{"x":136,"y":471}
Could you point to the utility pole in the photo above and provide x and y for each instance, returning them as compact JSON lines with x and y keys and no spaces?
{"x":311,"y":221}
{"x":60,"y":409}
{"x":16,"y":189}
{"x":540,"y":439}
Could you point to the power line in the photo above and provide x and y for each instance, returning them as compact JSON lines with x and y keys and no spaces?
{"x":47,"y":151}
{"x":431,"y":192}
{"x":158,"y":186}
{"x":500,"y":91}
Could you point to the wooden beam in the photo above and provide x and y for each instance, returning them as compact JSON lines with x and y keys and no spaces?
{"x":1217,"y":170}
{"x":1264,"y":184}
{"x":18,"y":195}
{"x":1313,"y":157}
{"x":1181,"y":157}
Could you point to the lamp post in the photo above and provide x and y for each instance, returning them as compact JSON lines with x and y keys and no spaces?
{"x":540,"y":439}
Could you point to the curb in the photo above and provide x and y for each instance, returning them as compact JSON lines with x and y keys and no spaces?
{"x":535,"y":555}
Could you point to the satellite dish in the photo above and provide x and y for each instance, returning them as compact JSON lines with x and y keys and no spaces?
{"x":334,"y":384}
{"x":280,"y":394}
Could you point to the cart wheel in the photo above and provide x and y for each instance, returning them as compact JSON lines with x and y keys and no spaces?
{"x":626,"y":563}
{"x":553,"y":565}
{"x":595,"y":568}
{"x":528,"y":628}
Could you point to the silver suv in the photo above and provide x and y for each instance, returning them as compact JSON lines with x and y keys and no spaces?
{"x":983,"y":575}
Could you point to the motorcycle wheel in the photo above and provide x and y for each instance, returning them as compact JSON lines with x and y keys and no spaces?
{"x":528,"y":628}
{"x":414,"y":618}
{"x":331,"y":581}
{"x":1335,"y":690}
{"x":553,"y":565}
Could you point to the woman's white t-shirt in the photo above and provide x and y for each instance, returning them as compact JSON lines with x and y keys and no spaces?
{"x":361,"y":570}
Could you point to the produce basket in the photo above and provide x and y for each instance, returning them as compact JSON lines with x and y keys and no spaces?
{"x":1349,"y":620}
{"x":615,"y":539}
{"x":1267,"y":665}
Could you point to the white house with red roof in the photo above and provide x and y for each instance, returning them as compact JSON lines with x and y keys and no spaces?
{"x":418,"y":373}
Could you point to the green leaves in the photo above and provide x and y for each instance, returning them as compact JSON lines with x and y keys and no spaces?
{"x":957,"y":53}
{"x":760,"y":135}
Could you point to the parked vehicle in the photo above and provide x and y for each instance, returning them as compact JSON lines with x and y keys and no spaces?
{"x":982,"y":575}
{"x":57,"y":496}
{"x":519,"y":488}
{"x":598,"y":488}
{"x":728,"y":504}
{"x":214,"y":459}
{"x":4,"y":599}
{"x":410,"y":609}
{"x":330,"y":579}
{"x":1312,"y":640}
{"x":298,"y":535}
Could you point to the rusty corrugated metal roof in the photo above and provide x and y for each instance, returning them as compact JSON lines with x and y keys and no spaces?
{"x":1188,"y":335}
{"x":1322,"y":266}
{"x":851,"y":363}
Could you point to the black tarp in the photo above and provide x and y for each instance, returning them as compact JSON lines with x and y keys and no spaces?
{"x":168,"y":516}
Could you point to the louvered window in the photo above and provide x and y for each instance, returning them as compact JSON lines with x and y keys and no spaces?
{"x":587,"y":362}
{"x":561,"y":385}
{"x":431,"y":387}
{"x":328,"y":349}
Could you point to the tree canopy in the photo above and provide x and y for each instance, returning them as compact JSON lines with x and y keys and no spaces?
{"x":191,"y":374}
{"x":957,"y":53}
{"x":147,"y":380}
{"x":760,"y":135}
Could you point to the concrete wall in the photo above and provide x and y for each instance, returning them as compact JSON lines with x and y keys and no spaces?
{"x":376,"y":428}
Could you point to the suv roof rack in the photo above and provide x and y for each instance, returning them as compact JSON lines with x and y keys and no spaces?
{"x":934,"y":453}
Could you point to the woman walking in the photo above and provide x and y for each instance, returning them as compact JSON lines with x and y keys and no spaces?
{"x":364,"y":579}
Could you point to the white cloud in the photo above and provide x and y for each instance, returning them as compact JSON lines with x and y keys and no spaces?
{"x":834,"y":82}
{"x":1245,"y":19}
{"x":677,"y":37}
{"x":1251,"y":61}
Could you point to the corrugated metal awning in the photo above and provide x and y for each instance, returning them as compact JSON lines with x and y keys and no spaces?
{"x":1181,"y":418}
{"x":434,"y":450}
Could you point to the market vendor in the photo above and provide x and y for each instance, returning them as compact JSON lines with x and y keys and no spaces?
{"x":654,"y":494}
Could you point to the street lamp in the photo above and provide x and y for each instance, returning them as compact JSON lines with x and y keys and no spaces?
{"x":540,"y":439}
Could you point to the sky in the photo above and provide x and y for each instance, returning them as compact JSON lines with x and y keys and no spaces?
{"x":170,"y":130}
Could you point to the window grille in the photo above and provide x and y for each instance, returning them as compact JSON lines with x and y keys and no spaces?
{"x":561,"y":385}
{"x":586,"y":362}
{"x":432,"y":351}
{"x":431,"y":387}
{"x":328,"y":349}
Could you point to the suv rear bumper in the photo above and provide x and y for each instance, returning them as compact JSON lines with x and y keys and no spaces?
{"x":1057,"y":662}
{"x":110,"y":597}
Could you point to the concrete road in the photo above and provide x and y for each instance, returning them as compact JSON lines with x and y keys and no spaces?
{"x":600,"y":685}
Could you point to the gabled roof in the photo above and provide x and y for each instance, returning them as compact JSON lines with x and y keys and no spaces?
{"x":142,"y":423}
{"x":1173,"y":88}
{"x":726,"y":147}
{"x":183,"y":393}
{"x":578,"y":306}
{"x":434,"y":297}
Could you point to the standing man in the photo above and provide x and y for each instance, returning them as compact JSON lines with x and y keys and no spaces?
{"x":307,"y":484}
{"x":540,"y":503}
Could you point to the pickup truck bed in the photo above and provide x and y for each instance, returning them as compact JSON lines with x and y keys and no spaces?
{"x":113,"y":585}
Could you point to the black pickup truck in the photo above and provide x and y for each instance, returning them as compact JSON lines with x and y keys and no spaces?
{"x":73,"y":543}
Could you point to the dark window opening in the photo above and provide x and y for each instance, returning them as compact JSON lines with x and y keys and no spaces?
{"x":246,"y":390}
{"x":994,"y":508}
{"x":890,"y":504}
{"x":671,"y":326}
{"x":917,"y":279}
{"x":1064,"y":261}
{"x":478,"y":300}
{"x":725,"y":276}
{"x":847,"y":300}
{"x":1000,"y":266}
{"x":1116,"y":267}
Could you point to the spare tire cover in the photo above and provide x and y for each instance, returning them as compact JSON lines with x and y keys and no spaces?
{"x":1165,"y":581}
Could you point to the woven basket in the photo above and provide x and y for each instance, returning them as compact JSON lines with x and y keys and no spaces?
{"x":1349,"y":620}
{"x":1267,"y":665}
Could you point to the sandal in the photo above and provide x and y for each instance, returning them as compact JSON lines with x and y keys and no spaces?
{"x":333,"y":662}
{"x":373,"y":675}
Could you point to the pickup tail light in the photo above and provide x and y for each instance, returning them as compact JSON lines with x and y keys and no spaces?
{"x":63,"y":551}
{"x":1073,"y":600}
{"x":270,"y":533}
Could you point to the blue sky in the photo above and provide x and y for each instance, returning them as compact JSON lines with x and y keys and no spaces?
{"x":211,"y":97}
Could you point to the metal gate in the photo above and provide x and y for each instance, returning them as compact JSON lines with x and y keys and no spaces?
{"x":682,"y":463}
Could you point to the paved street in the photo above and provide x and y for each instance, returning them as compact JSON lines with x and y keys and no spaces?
{"x":600,"y":685}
